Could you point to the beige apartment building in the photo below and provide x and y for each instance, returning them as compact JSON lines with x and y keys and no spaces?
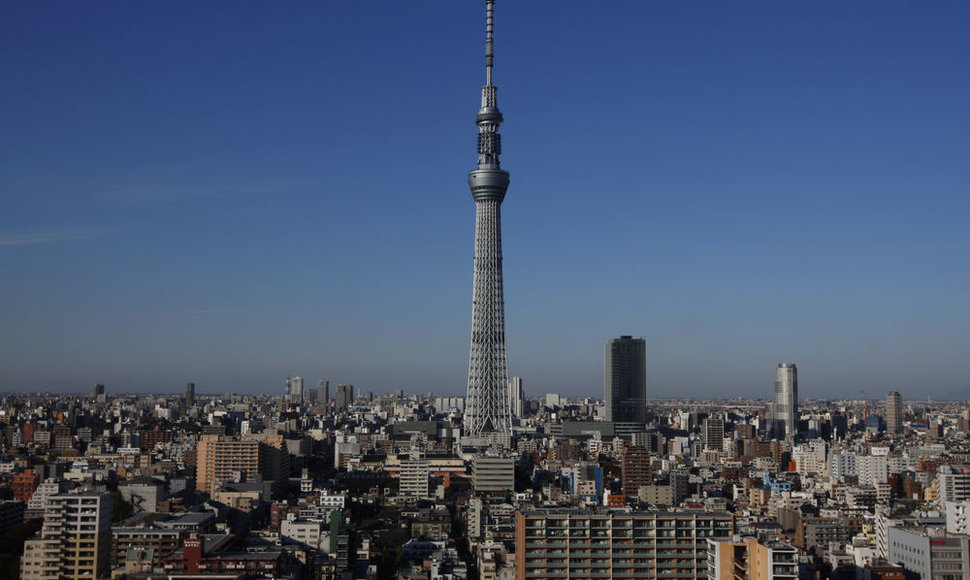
{"x":219,"y":457}
{"x":748,"y":559}
{"x":75,"y":540}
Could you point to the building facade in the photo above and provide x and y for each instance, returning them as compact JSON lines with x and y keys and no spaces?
{"x":493,"y":475}
{"x":930,"y":553}
{"x":580,"y":544}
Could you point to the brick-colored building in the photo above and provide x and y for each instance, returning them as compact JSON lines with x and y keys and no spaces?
{"x":635,"y":470}
{"x":220,"y":555}
{"x":24,"y":485}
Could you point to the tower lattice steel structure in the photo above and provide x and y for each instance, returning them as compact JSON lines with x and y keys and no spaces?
{"x":487,"y":403}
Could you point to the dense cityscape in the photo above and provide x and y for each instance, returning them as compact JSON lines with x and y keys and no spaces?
{"x":320,"y":481}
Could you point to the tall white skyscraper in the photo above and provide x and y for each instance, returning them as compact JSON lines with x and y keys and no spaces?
{"x":786,"y":401}
{"x":516,"y":398}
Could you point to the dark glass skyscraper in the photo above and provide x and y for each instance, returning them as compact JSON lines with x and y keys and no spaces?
{"x":626,"y":380}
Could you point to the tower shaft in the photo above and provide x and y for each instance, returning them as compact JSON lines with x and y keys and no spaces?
{"x":487,"y":403}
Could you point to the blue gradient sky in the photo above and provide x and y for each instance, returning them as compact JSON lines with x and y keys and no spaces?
{"x":227,"y":193}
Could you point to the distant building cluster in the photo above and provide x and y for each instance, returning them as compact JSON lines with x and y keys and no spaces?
{"x":355,"y":486}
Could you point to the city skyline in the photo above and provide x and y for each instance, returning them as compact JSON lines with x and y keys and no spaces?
{"x":228,"y":207}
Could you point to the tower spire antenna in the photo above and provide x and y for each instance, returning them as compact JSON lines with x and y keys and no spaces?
{"x":489,"y":50}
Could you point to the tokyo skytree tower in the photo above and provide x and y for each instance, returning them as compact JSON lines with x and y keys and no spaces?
{"x":487,"y":404}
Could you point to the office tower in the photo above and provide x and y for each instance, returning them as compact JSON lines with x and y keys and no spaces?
{"x":714,"y":434}
{"x":635,"y":470}
{"x":343,"y":397}
{"x":599,"y":543}
{"x":97,"y":390}
{"x":487,"y":403}
{"x":894,"y":412}
{"x":323,"y":392}
{"x":516,"y":398}
{"x":626,"y":380}
{"x":189,"y":394}
{"x":75,"y":540}
{"x":294,"y":391}
{"x":786,"y":401}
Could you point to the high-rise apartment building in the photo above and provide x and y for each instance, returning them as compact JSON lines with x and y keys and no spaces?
{"x":189,"y":394}
{"x":786,"y":401}
{"x":587,"y":544}
{"x":635,"y":470}
{"x":415,"y":477}
{"x":487,"y":401}
{"x":293,"y":393}
{"x":75,"y":540}
{"x":625,"y":381}
{"x":219,"y":457}
{"x":894,"y":412}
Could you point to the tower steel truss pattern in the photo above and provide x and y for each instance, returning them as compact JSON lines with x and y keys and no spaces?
{"x":487,"y":403}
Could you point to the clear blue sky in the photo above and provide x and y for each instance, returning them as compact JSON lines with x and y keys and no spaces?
{"x":227,"y":193}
